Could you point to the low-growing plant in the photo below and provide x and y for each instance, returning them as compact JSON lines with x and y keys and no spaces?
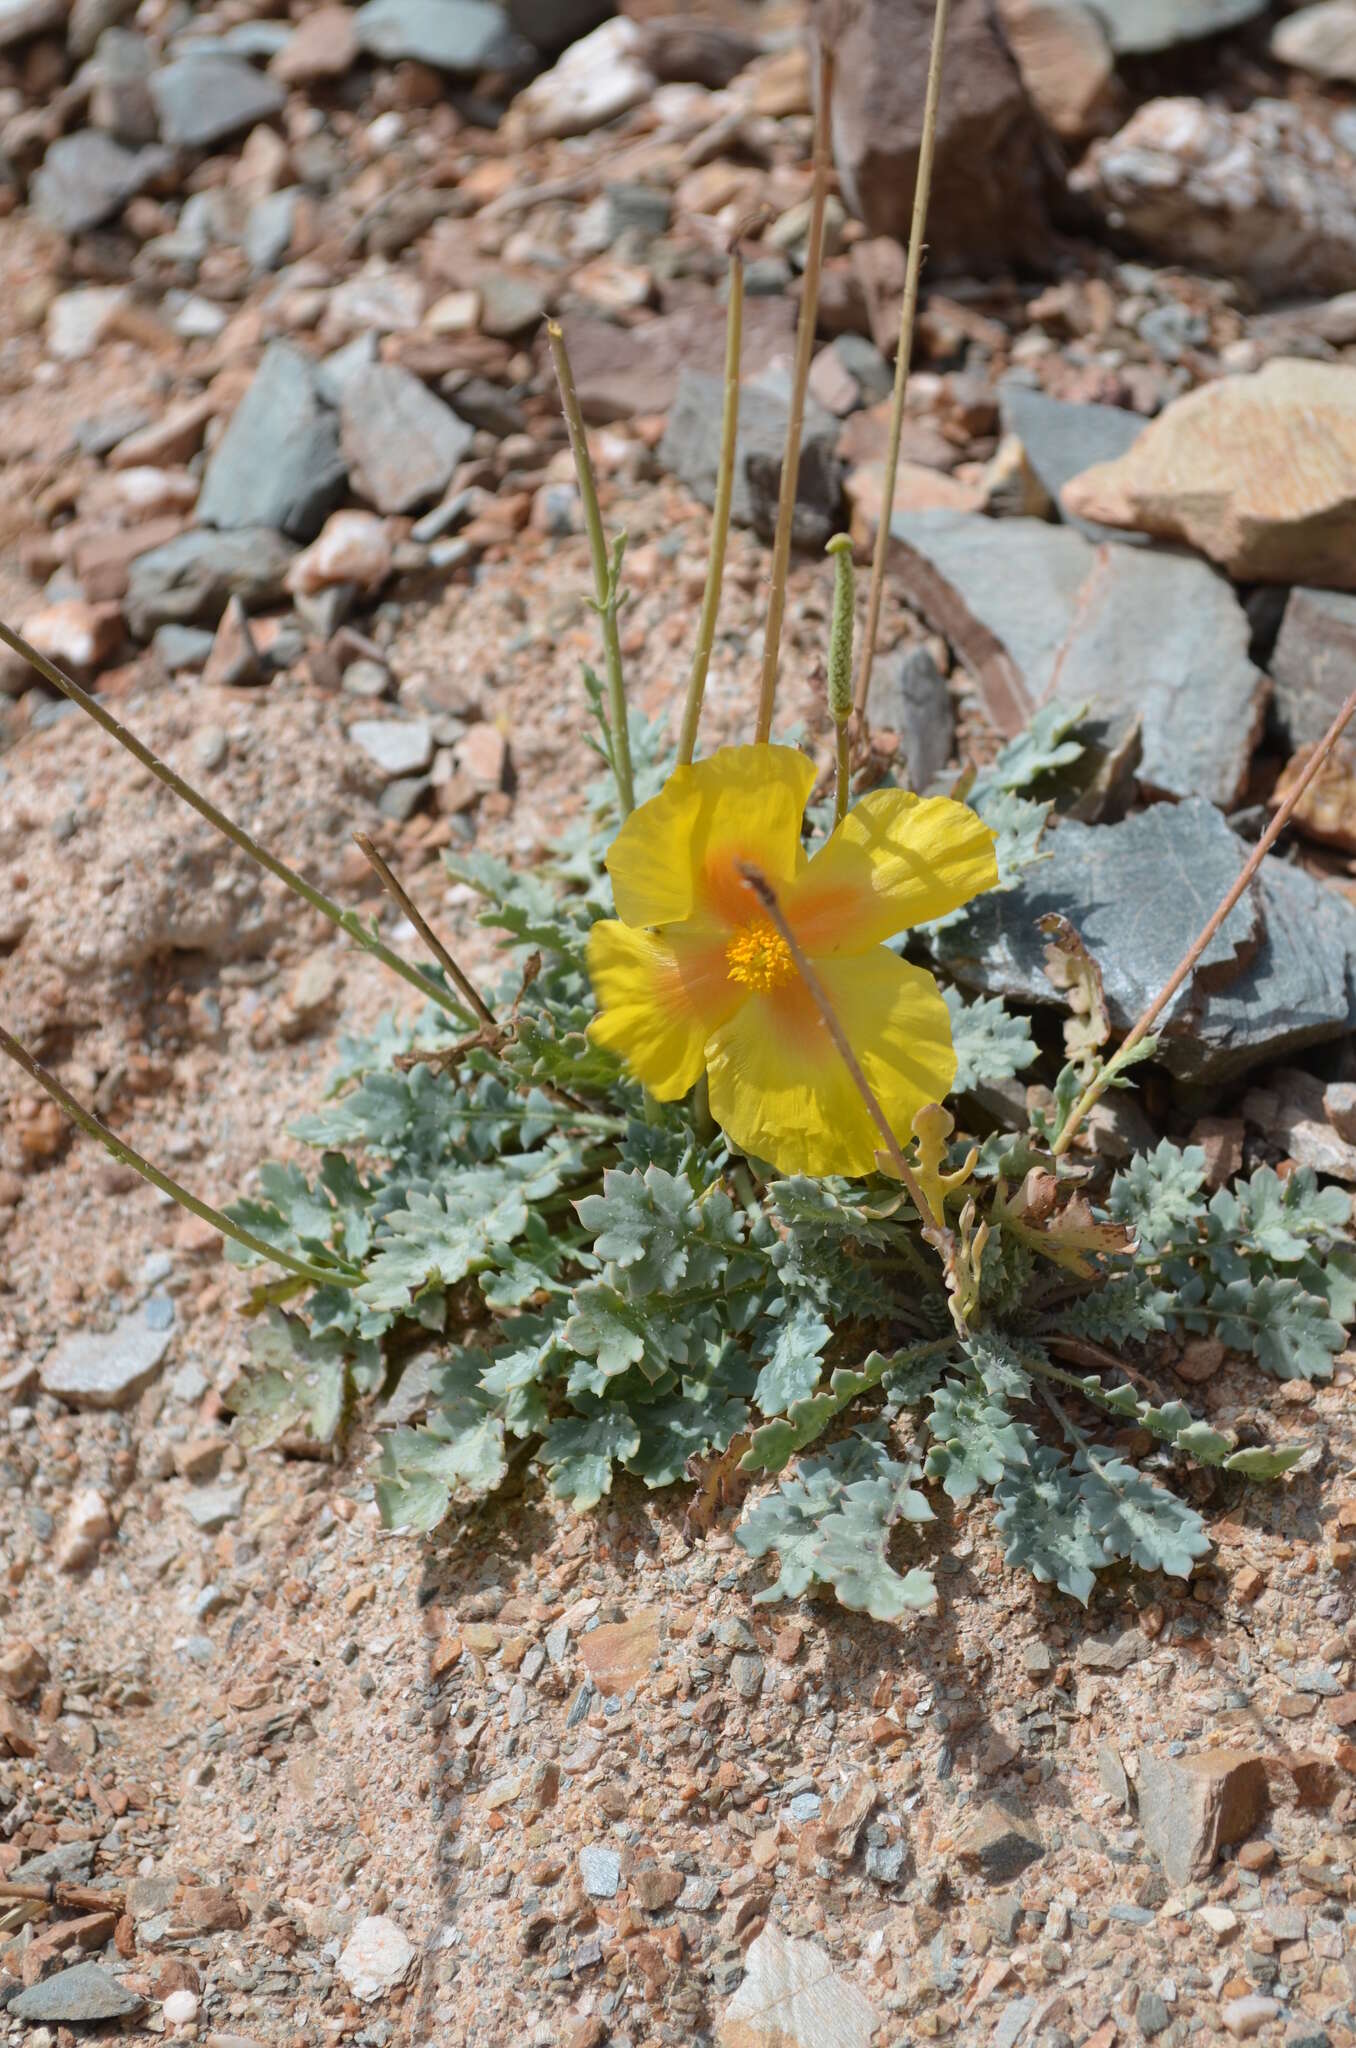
{"x":626,"y":1217}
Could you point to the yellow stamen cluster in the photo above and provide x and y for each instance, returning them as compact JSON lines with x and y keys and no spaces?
{"x":758,"y":958}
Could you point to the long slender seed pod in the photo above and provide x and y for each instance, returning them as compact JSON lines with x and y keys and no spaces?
{"x":840,"y":666}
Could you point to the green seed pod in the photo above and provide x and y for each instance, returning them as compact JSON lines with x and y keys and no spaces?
{"x":840,"y":633}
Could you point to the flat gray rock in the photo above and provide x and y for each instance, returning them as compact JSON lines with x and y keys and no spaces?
{"x":1314,"y":663}
{"x":909,"y":696}
{"x":1136,"y":26}
{"x":1003,"y":592}
{"x":1161,"y":637}
{"x":87,"y":178}
{"x":278,"y":463}
{"x":398,"y":746}
{"x":77,"y":1997}
{"x":212,"y":1507}
{"x":600,"y":1870}
{"x":400,"y":442}
{"x":108,"y":1370}
{"x":452,"y":35}
{"x":189,"y":581}
{"x":68,"y":1863}
{"x":1280,"y":975}
{"x":201,"y":99}
{"x":1062,"y":440}
{"x":691,"y":450}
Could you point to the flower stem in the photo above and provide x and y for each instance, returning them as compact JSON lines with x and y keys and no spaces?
{"x":1144,"y":1024}
{"x":933,"y":1224}
{"x":840,"y":666}
{"x":401,"y":897}
{"x":805,"y":342}
{"x":606,"y":575}
{"x":346,"y":920}
{"x":319,"y":1276}
{"x":720,"y":517}
{"x":908,"y":314}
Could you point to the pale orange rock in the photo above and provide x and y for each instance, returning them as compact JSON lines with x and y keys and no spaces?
{"x":1064,"y":55}
{"x":916,"y":490}
{"x":1258,"y":472}
{"x":619,"y":1654}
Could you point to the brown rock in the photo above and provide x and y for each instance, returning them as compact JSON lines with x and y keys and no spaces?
{"x":1190,"y":1806}
{"x":323,"y":45}
{"x":1261,"y":195}
{"x":916,"y":490}
{"x":1258,"y":472}
{"x":1221,"y":1140}
{"x":1066,"y":62}
{"x":167,"y":441}
{"x":22,"y":1668}
{"x":1327,"y":809}
{"x":1000,"y":1843}
{"x":86,"y":1529}
{"x":102,"y":559}
{"x":653,"y":1889}
{"x":622,"y":371}
{"x":75,"y":635}
{"x":1315,"y":1778}
{"x":209,"y":1909}
{"x":234,"y":659}
{"x":16,"y":1732}
{"x":619,"y":1654}
{"x":987,"y":205}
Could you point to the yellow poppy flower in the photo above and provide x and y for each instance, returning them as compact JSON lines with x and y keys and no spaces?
{"x":696,"y":978}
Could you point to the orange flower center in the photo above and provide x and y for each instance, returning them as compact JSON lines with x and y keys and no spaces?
{"x":758,"y":957}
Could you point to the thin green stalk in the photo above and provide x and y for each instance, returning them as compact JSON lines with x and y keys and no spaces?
{"x":346,"y":921}
{"x":403,"y":900}
{"x":805,"y":342}
{"x":840,"y":667}
{"x":606,"y":575}
{"x":720,"y":517}
{"x":319,"y":1276}
{"x":908,"y":315}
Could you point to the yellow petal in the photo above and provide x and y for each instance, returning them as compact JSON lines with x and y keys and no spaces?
{"x":780,"y":1088}
{"x":896,"y":860}
{"x":659,"y":1000}
{"x":676,"y":857}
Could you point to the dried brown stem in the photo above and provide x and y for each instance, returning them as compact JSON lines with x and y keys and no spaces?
{"x":908,"y":315}
{"x":767,"y":897}
{"x":401,"y":897}
{"x":1144,"y":1024}
{"x":805,"y":342}
{"x":720,"y":517}
{"x":606,"y":574}
{"x":319,"y":1276}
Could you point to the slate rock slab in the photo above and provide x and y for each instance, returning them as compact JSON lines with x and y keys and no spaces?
{"x":909,"y":696}
{"x":278,"y":463}
{"x":68,"y":1863}
{"x":94,"y":1369}
{"x":189,"y":581}
{"x":1314,"y":663}
{"x":1137,"y":26}
{"x":203,"y":98}
{"x":400,"y":442}
{"x":1003,"y":592}
{"x":1000,"y":1843}
{"x":87,"y":178}
{"x":451,"y":35}
{"x":1062,"y":440}
{"x":77,"y":1997}
{"x":1278,"y":976}
{"x":691,"y":450}
{"x":1162,"y":637}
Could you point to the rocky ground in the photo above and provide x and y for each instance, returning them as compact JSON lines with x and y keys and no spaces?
{"x":285,"y":479}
